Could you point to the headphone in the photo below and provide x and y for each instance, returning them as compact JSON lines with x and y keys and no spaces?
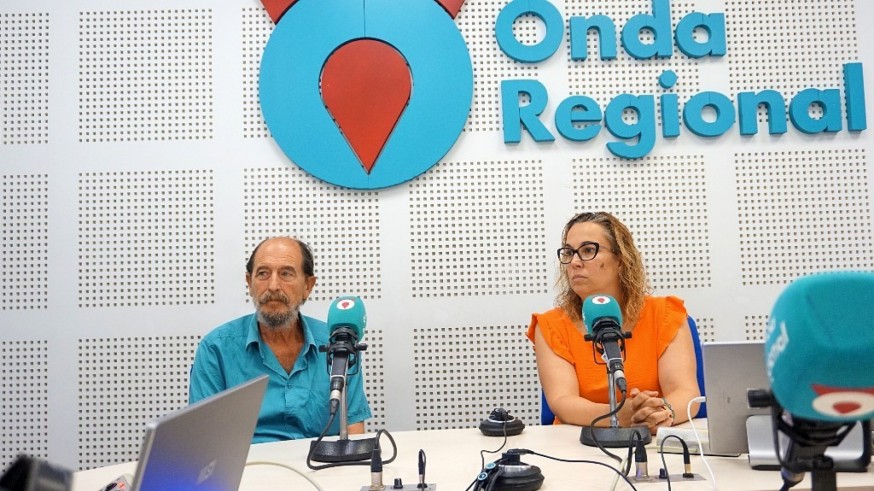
{"x":500,"y":422}
{"x":509,"y":473}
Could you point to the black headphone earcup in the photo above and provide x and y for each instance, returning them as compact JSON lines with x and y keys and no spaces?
{"x":490,"y":427}
{"x":522,"y":477}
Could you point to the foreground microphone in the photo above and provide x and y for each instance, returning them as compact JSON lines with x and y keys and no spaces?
{"x":346,"y":320}
{"x":818,"y":349}
{"x":603,"y":319}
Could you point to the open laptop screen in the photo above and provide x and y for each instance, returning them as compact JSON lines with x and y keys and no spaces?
{"x":203,"y":446}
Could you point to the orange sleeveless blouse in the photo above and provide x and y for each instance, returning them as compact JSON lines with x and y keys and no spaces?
{"x":660,"y":320}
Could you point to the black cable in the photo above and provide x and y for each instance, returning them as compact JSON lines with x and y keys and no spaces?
{"x":686,"y":459}
{"x":603,"y":417}
{"x":341,"y":464}
{"x":524,"y":451}
{"x":482,"y":457}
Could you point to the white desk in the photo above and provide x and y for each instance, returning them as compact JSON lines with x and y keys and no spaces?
{"x":453,"y":460}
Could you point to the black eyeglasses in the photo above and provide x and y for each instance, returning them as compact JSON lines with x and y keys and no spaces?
{"x":587,"y":251}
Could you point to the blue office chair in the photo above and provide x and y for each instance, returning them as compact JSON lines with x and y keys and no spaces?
{"x":547,"y":417}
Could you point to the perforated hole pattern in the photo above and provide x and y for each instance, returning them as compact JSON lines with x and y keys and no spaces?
{"x":471,"y":240}
{"x":462,"y":373}
{"x":24,"y":62}
{"x":146,"y":239}
{"x":145,"y":75}
{"x":25,"y":408}
{"x":124,"y":383}
{"x":25,"y":242}
{"x":802,"y":212}
{"x":341,"y":226}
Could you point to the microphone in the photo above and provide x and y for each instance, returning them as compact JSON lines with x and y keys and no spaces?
{"x":603,"y":319}
{"x":346,"y":320}
{"x":818,"y":346}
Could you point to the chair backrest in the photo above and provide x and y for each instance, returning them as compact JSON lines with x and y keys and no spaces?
{"x":547,"y":417}
{"x":699,"y":362}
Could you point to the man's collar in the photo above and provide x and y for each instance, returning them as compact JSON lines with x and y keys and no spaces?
{"x":254,"y":334}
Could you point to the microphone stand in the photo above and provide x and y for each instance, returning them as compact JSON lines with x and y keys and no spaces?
{"x":344,"y":449}
{"x":612,"y":436}
{"x":806,"y":442}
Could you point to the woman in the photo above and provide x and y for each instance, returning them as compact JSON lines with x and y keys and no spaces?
{"x":599,"y":257}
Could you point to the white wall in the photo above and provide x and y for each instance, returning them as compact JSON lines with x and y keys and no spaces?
{"x":135,"y":182}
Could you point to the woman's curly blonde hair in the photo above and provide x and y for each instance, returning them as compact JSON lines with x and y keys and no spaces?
{"x":632,"y":274}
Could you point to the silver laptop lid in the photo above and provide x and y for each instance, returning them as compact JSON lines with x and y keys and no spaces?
{"x":730,"y":368}
{"x":203,"y":446}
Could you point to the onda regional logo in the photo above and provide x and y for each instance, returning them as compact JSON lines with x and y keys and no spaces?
{"x":365,"y":94}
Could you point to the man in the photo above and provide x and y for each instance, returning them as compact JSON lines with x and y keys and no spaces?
{"x":276,"y":340}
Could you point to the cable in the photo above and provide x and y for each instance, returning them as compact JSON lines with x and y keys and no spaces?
{"x":314,"y":444}
{"x":482,"y":456}
{"x":605,"y":416}
{"x":524,"y":451}
{"x":686,"y":460}
{"x":298,"y":471}
{"x":699,"y":399}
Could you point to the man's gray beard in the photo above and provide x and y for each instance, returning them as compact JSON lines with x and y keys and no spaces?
{"x":279,"y":320}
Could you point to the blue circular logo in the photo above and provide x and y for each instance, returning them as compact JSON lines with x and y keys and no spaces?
{"x":295,"y":98}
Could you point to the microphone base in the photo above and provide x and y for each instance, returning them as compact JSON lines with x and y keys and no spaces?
{"x":614,"y":437}
{"x":342,"y":450}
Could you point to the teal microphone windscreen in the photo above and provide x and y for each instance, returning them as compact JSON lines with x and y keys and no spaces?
{"x":347,"y":311}
{"x":819,"y":345}
{"x":600,"y":308}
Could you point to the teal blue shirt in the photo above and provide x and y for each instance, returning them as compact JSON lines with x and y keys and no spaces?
{"x":295,"y":404}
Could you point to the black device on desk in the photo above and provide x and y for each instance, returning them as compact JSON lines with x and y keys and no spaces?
{"x":501,"y":423}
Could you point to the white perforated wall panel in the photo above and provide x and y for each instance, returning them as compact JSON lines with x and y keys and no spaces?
{"x":25,"y":268}
{"x":137,"y":174}
{"x":24,"y":62}
{"x":124,"y":383}
{"x":462,"y":373}
{"x":145,"y":75}
{"x":25,"y":410}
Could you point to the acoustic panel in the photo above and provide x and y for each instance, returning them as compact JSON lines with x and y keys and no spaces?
{"x":462,"y":373}
{"x":124,"y":383}
{"x":789,"y":45}
{"x":674,"y":240}
{"x":373,"y":361}
{"x":24,"y":63}
{"x":24,"y":242}
{"x":25,"y":408}
{"x":803,"y":211}
{"x":257,"y":27}
{"x":341,"y":226}
{"x":755,"y":327}
{"x":467,"y":239}
{"x":706,"y":329}
{"x":145,"y":75}
{"x":146,"y":238}
{"x":476,"y":21}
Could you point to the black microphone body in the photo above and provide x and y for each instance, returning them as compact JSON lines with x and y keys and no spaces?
{"x":340,"y":352}
{"x":607,"y":333}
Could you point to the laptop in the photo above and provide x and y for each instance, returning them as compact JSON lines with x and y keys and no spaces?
{"x":203,"y":446}
{"x":730,"y":368}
